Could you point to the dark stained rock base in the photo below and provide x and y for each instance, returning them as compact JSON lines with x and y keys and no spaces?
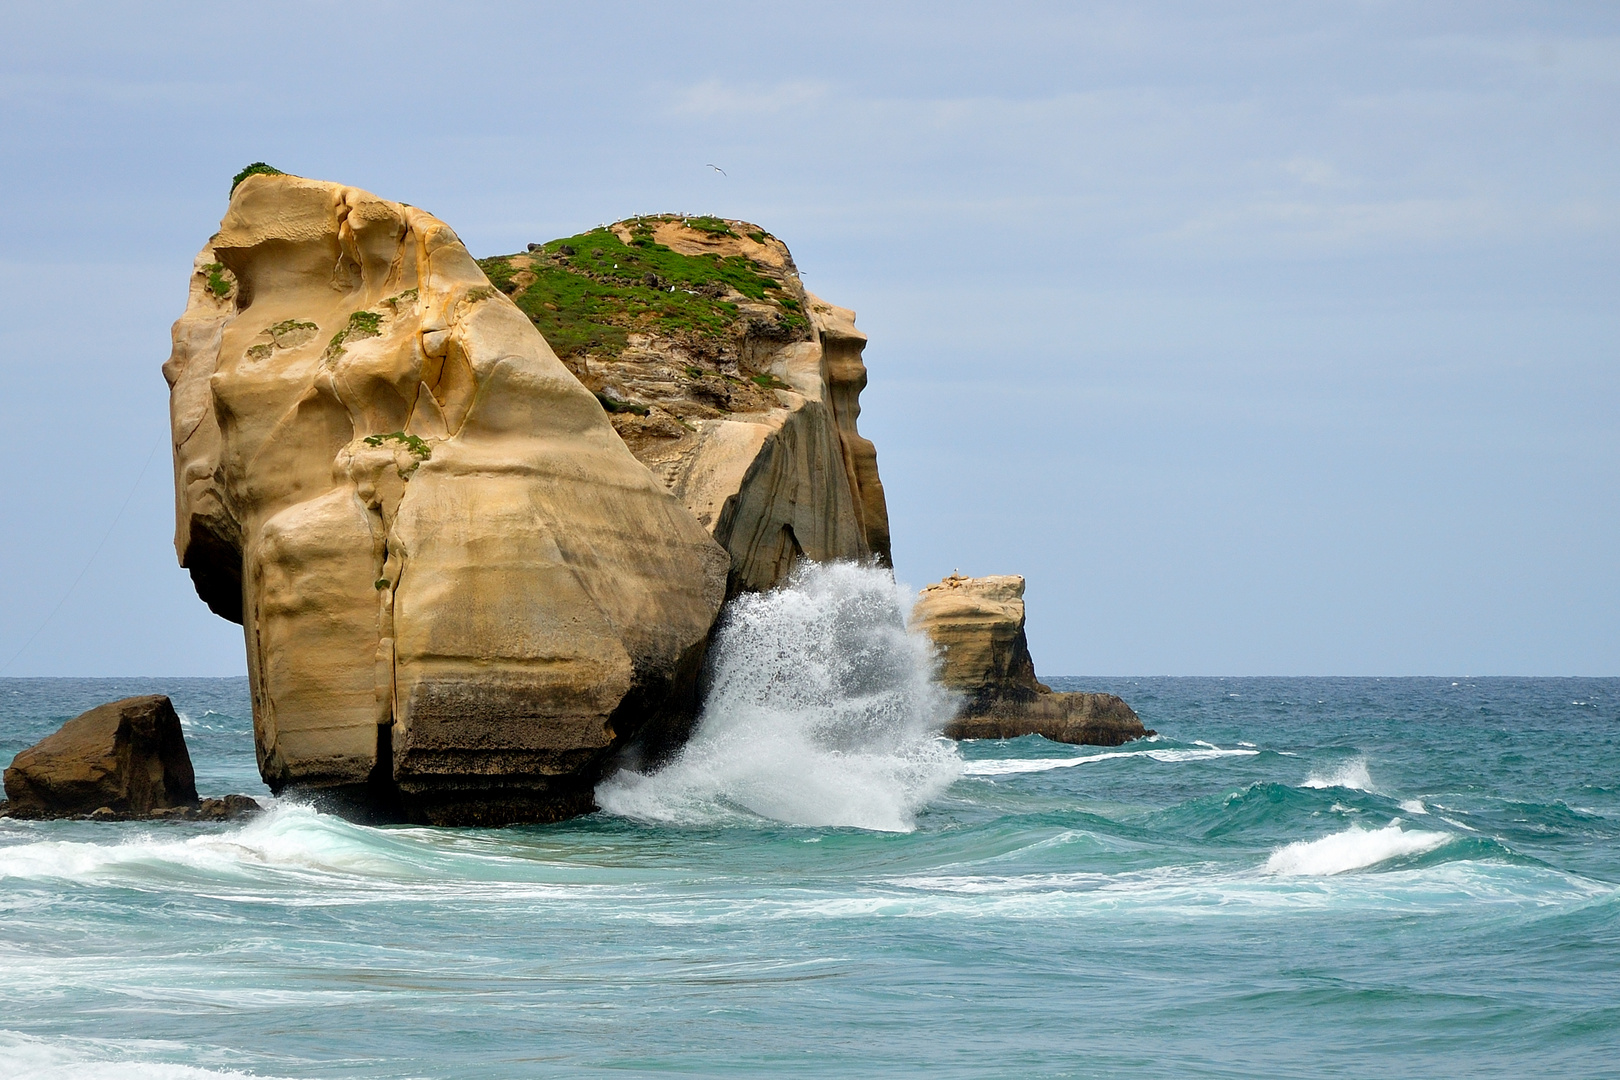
{"x":230,"y":808}
{"x":1082,"y":719}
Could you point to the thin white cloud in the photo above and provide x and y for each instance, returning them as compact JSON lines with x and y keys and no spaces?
{"x":717,"y":99}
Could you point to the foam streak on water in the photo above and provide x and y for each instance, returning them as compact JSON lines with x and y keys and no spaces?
{"x":822,"y":710}
{"x":1026,"y":765}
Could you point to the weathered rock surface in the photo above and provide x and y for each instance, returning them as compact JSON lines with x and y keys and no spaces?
{"x":128,"y":757}
{"x":736,"y":387}
{"x":978,"y":625}
{"x":460,"y":591}
{"x":1089,"y":719}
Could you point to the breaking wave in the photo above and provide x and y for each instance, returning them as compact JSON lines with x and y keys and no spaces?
{"x":1350,"y":774}
{"x":288,"y":838}
{"x":1354,"y":849}
{"x":822,"y":710}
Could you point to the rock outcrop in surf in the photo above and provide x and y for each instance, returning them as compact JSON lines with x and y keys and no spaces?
{"x":468,"y":572}
{"x":978,"y":626}
{"x":123,"y":761}
{"x":127,"y":757}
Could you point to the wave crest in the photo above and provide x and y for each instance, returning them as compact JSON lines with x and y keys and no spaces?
{"x":1354,"y":849}
{"x":1351,"y":774}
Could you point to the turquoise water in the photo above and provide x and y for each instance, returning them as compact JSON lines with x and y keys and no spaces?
{"x":1299,"y":877}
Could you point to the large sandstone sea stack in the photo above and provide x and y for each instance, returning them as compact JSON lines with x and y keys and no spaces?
{"x":469,"y":572}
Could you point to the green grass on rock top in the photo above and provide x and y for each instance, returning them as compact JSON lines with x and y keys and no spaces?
{"x":589,"y":292}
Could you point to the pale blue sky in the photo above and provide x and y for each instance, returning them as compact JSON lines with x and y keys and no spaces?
{"x":1263,"y":339}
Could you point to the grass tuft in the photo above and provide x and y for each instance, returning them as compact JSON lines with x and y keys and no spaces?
{"x":218,"y":283}
{"x":614,"y":405}
{"x":258,"y":168}
{"x":362,"y":325}
{"x":419,"y":448}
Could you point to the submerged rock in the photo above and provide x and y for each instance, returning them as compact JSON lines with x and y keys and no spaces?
{"x":978,"y":626}
{"x":461,"y":592}
{"x":735,"y":386}
{"x":229,"y":808}
{"x":127,"y":758}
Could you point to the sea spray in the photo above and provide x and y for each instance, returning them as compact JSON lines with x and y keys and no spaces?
{"x":1349,"y":774}
{"x":1353,"y":849}
{"x":822,"y":710}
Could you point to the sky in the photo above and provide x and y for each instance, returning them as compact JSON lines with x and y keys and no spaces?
{"x":1262,"y":339}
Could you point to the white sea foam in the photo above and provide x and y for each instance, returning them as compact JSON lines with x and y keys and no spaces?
{"x":1351,"y":774}
{"x":1354,"y":849}
{"x":822,"y":710}
{"x":1414,"y":806}
{"x":1031,"y":765}
{"x":287,"y":837}
{"x":101,"y":1059}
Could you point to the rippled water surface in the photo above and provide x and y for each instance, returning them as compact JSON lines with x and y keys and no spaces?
{"x":1298,"y":877}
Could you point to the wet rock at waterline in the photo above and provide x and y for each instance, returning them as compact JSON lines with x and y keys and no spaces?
{"x":1081,"y":718}
{"x":228,"y":808}
{"x":978,"y":626}
{"x":127,"y":758}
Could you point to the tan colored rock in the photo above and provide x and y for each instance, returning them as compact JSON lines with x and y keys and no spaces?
{"x":978,"y":626}
{"x":749,"y":418}
{"x":128,"y":757}
{"x":459,"y":589}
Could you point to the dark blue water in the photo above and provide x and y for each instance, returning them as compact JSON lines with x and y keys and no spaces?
{"x":1299,"y":877}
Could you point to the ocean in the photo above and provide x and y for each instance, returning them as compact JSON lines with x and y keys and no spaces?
{"x":1297,"y":877}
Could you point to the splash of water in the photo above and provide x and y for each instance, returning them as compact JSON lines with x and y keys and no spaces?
{"x":1350,"y":774}
{"x":822,"y":710}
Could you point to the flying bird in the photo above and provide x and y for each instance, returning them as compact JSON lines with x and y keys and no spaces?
{"x":718,"y":169}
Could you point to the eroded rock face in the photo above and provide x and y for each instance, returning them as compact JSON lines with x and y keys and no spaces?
{"x":736,"y":387}
{"x":127,"y":757}
{"x":460,"y":591}
{"x":978,"y":625}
